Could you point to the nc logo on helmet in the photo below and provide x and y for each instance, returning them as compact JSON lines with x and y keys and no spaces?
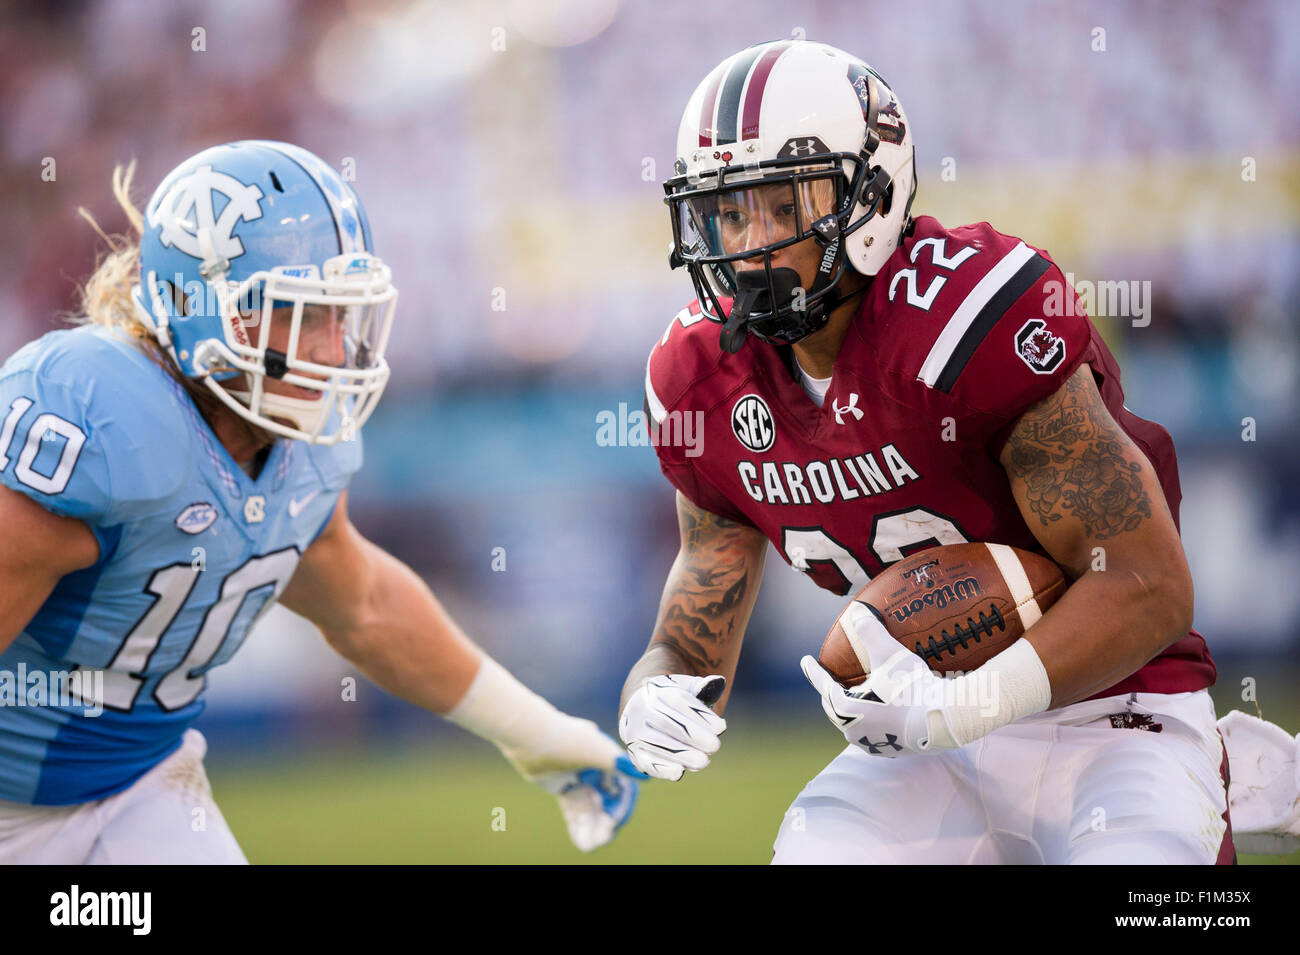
{"x":189,"y":208}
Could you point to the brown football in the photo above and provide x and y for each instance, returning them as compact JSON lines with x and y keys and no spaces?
{"x":955,"y":606}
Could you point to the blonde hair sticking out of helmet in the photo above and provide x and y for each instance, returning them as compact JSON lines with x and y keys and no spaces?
{"x":106,"y":298}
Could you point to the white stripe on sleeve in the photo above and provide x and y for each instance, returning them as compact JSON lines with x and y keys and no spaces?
{"x":969,"y":309}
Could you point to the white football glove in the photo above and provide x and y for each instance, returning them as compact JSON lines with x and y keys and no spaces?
{"x":904,"y":707}
{"x":1264,"y":792}
{"x":590,"y":775}
{"x":668,"y":726}
{"x":569,"y":757}
{"x":898,"y":709}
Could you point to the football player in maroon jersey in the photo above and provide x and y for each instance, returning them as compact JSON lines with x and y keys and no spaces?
{"x":882,"y":384}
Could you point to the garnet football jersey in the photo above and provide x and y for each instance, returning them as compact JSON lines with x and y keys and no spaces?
{"x":960,"y":333}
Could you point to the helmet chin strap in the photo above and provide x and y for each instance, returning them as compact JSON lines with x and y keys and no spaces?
{"x":750,"y":286}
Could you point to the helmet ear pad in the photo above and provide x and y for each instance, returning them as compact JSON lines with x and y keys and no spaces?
{"x":887,"y":202}
{"x":182,"y":305}
{"x":876,"y":191}
{"x":867,"y":249}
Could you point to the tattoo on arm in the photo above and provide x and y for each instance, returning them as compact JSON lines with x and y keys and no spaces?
{"x":707,"y":599}
{"x":1075,"y":461}
{"x":708,"y":588}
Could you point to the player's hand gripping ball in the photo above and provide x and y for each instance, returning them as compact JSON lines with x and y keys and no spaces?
{"x":955,"y":607}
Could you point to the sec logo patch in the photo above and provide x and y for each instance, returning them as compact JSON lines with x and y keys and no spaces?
{"x":751,"y":420}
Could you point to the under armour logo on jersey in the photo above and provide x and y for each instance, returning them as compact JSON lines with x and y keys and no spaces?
{"x":878,"y":748}
{"x":255,"y":509}
{"x":850,"y":408}
{"x":189,"y":208}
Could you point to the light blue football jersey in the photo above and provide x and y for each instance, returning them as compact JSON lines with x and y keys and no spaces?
{"x":192,"y":551}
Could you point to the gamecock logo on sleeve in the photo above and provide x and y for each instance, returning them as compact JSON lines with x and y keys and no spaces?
{"x":1038,"y":348}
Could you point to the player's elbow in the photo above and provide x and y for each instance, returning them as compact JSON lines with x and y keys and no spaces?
{"x":350,"y":609}
{"x":351,"y":640}
{"x":1181,"y":599}
{"x":1167,"y":595}
{"x":352,"y":624}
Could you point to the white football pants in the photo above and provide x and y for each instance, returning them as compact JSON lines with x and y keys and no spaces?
{"x":1065,"y":786}
{"x":167,"y":817}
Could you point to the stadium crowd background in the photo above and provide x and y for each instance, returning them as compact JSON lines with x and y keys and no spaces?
{"x":510,"y":156}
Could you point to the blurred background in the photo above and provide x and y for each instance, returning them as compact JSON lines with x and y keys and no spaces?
{"x":510,"y":155}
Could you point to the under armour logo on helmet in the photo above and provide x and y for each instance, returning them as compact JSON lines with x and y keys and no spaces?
{"x":877,"y":748}
{"x":189,"y":209}
{"x":850,"y":408}
{"x":802,"y":146}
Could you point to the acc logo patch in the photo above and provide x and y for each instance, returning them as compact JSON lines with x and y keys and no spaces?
{"x":190,"y":206}
{"x":1038,"y":348}
{"x":197,"y":518}
{"x":751,"y":420}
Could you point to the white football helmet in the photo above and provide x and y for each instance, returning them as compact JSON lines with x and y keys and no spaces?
{"x":807,"y":128}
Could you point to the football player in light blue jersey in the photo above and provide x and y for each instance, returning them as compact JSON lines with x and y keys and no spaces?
{"x":175,"y":465}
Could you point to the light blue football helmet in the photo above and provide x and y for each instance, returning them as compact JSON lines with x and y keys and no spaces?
{"x":237,"y":241}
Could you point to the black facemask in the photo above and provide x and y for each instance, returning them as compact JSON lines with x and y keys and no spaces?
{"x":777,"y":295}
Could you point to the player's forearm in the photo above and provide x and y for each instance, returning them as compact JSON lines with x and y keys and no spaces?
{"x":37,"y":549}
{"x":658,"y":659}
{"x":1107,"y":625}
{"x":1087,"y":490}
{"x":405,"y":641}
{"x":702,"y":619}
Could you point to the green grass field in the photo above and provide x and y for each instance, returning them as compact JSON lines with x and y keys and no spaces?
{"x":439,"y":803}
